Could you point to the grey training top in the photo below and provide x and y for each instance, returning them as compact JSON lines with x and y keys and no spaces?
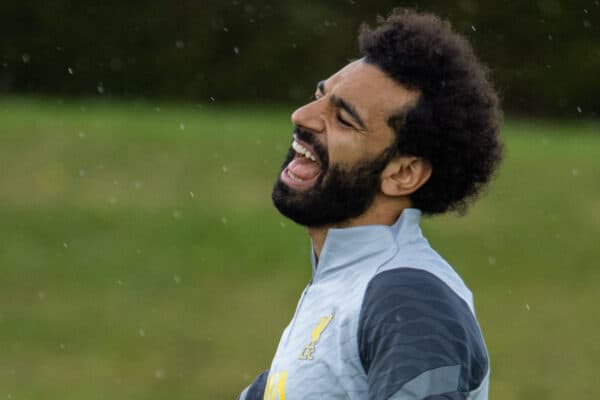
{"x":384,"y":318}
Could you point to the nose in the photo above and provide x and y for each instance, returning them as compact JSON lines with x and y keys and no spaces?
{"x":310,"y":117}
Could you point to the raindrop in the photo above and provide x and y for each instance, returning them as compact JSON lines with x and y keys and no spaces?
{"x":225,"y":169}
{"x":177,"y":214}
{"x":180,"y":44}
{"x":550,"y":37}
{"x":157,"y":109}
{"x":182,"y":126}
{"x":141,"y":332}
{"x":100,"y":88}
{"x":192,"y":195}
{"x":236,"y":50}
{"x":112,"y":200}
{"x":70,"y":71}
{"x":585,"y":11}
{"x":137,"y":185}
{"x":26,"y":58}
{"x":575,"y":172}
{"x":61,"y":346}
{"x":65,"y":245}
{"x":224,"y":220}
{"x":491,"y":260}
{"x":81,"y":134}
{"x":473,"y":28}
{"x":527,"y":307}
{"x":258,"y":141}
{"x":212,"y":99}
{"x":82,"y":172}
{"x":177,"y":279}
{"x":579,"y":110}
{"x":41,"y":295}
{"x":138,"y":251}
{"x":225,"y":29}
{"x":282,"y":224}
{"x":120,"y":282}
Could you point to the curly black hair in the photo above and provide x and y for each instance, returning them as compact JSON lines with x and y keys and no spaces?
{"x":455,"y":124}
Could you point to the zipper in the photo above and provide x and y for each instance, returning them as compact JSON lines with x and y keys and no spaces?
{"x":304,"y":293}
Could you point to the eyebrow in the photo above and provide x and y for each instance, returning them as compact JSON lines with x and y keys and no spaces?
{"x":344,"y":105}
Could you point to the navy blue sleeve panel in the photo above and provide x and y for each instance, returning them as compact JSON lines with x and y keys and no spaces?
{"x":256,"y":390}
{"x":418,"y":339}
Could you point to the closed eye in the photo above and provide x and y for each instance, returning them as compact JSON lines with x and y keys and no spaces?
{"x":344,"y":122}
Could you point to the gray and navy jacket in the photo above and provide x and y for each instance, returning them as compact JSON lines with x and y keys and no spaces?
{"x":384,"y":318}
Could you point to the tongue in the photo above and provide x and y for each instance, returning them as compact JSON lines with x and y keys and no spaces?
{"x":304,"y":168}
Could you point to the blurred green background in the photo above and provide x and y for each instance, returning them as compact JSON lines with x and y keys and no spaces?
{"x":140,"y":256}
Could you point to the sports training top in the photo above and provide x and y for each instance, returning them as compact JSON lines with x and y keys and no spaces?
{"x":384,"y":317}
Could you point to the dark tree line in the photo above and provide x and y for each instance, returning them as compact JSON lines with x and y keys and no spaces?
{"x":544,"y":54}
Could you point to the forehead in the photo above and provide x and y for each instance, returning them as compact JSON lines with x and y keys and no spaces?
{"x":370,"y":90}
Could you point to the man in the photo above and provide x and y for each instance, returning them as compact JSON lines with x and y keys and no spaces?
{"x":410,"y":128}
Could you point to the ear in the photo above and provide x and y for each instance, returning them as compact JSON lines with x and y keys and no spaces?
{"x":404,"y":175}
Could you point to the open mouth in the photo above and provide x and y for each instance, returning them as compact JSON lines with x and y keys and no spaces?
{"x":304,"y":170}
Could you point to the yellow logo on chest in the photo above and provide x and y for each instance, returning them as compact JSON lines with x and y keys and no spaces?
{"x":309,"y":349}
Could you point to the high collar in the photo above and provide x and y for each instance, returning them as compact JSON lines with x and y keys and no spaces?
{"x":346,"y":247}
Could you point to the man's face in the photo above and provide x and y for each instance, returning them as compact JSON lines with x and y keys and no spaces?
{"x":342,"y":142}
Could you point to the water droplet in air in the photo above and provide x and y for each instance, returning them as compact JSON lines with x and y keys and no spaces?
{"x":492,"y":260}
{"x":119,"y":282}
{"x":100,"y":88}
{"x":236,"y":50}
{"x":574,"y":172}
{"x":180,"y":44}
{"x":177,"y":279}
{"x":212,"y":99}
{"x":473,"y":28}
{"x":41,"y":295}
{"x":527,"y":307}
{"x":70,"y":71}
{"x":65,"y":245}
{"x":177,"y":214}
{"x":192,"y":195}
{"x":61,"y":346}
{"x":82,"y":172}
{"x":579,"y":110}
{"x":181,"y":126}
{"x":225,"y":169}
{"x":81,"y":134}
{"x":141,"y":332}
{"x":159,"y":374}
{"x":26,"y":58}
{"x":112,"y":200}
{"x":223,"y":220}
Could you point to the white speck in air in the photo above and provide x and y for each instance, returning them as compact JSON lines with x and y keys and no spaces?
{"x":180,"y":44}
{"x":473,"y":28}
{"x":282,"y":224}
{"x":579,"y":110}
{"x":112,"y":200}
{"x":527,"y":307}
{"x":61,"y":346}
{"x":159,"y":374}
{"x":225,"y":29}
{"x":141,"y":332}
{"x":177,"y":214}
{"x":100,"y":88}
{"x":181,"y":126}
{"x":224,"y":220}
{"x":82,"y":172}
{"x":70,"y":71}
{"x":236,"y":50}
{"x":225,"y":169}
{"x":574,"y":172}
{"x":137,"y":185}
{"x":81,"y":134}
{"x":492,"y":260}
{"x":212,"y":99}
{"x":65,"y":245}
{"x":177,"y":279}
{"x":41,"y":295}
{"x":26,"y":58}
{"x":119,"y":282}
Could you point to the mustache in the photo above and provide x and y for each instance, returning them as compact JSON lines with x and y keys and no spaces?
{"x":310,"y":138}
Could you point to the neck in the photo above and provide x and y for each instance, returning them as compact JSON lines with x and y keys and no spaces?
{"x":383,"y":211}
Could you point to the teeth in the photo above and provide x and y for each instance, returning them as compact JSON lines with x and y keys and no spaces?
{"x":293,"y":177}
{"x":303,"y":150}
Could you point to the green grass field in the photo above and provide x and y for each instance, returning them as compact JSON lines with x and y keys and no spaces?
{"x":140,"y":256}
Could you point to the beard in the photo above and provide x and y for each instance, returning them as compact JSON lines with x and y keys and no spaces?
{"x":339,"y":194}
